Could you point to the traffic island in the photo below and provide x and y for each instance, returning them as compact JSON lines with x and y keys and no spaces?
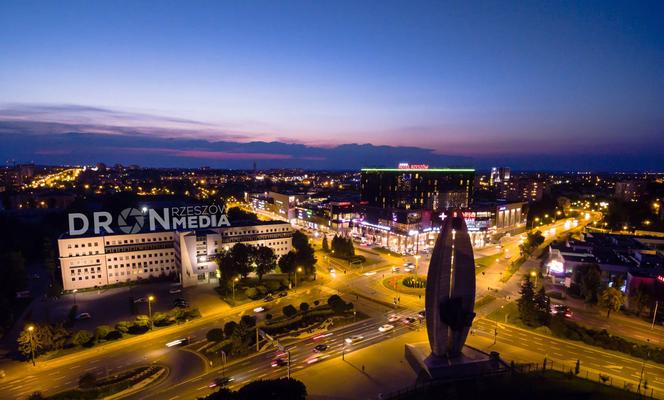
{"x":115,"y":386}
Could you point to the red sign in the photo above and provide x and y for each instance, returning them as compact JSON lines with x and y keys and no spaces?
{"x":413,"y":166}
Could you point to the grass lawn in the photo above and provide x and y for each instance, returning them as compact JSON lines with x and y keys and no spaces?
{"x":483,"y":263}
{"x":392,"y":282}
{"x":535,"y":385}
{"x":508,"y":313}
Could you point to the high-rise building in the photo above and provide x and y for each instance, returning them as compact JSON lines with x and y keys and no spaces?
{"x":499,"y":174}
{"x":417,"y":187}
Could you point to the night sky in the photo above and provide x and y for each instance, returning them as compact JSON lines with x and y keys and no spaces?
{"x":534,"y":85}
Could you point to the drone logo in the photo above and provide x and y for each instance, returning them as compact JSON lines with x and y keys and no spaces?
{"x":131,"y":214}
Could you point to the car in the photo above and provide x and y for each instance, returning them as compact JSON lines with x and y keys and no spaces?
{"x":221,"y":381}
{"x":140,"y":300}
{"x":370,"y":273}
{"x":422,"y":314}
{"x":84,"y":315}
{"x":259,"y":309}
{"x":385,"y":328}
{"x":562,"y":310}
{"x":283,"y":294}
{"x":320,"y":348}
{"x":396,"y":269}
{"x":354,"y":339}
{"x":279,"y":362}
{"x":393,"y":318}
{"x":408,"y":320}
{"x":268,"y":298}
{"x":316,"y":358}
{"x":175,"y":290}
{"x":178,"y":342}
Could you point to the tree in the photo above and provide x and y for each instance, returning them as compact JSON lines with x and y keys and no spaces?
{"x":289,"y":311}
{"x":542,"y":306}
{"x":337,"y":304}
{"x":215,"y":335}
{"x":304,"y":307}
{"x":325,"y":245}
{"x":532,"y":242}
{"x":87,"y":381}
{"x":241,"y":259}
{"x":287,"y":263}
{"x":588,"y":277}
{"x":304,"y":253}
{"x":275,"y":389}
{"x":611,"y":299}
{"x":28,"y":342}
{"x":229,"y":327}
{"x":526,"y":303}
{"x":640,"y":297}
{"x":266,"y":261}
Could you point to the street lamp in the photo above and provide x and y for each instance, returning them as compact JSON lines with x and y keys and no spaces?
{"x":150,"y":300}
{"x":417,"y":264}
{"x":31,"y":338}
{"x":534,"y":275}
{"x":74,"y":291}
{"x":233,"y":285}
{"x":299,"y":269}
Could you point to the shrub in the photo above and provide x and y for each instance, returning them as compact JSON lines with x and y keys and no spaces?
{"x":268,"y":317}
{"x":304,"y":307}
{"x":161,"y":319}
{"x":81,"y":337}
{"x":252,"y":293}
{"x":123,"y":326}
{"x":101,"y":332}
{"x":316,"y":303}
{"x":248,"y":321}
{"x":272,"y":286}
{"x":414,"y":282}
{"x":215,"y":335}
{"x":113,"y":335}
{"x":289,"y":311}
{"x":262,"y":290}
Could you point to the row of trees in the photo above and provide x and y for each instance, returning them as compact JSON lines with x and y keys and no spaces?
{"x":275,"y":389}
{"x":587,"y":279}
{"x":532,"y":242}
{"x":243,"y":259}
{"x":342,"y":247}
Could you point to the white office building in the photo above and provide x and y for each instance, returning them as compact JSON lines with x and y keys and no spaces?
{"x":97,"y":261}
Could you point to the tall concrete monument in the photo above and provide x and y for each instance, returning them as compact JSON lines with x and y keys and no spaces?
{"x":450,"y":300}
{"x":450,"y":289}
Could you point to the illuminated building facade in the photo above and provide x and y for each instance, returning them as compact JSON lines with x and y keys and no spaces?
{"x":97,"y":261}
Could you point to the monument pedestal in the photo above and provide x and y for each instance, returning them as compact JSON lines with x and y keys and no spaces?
{"x":471,"y":362}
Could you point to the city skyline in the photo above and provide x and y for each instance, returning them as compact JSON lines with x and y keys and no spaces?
{"x":549,"y":86}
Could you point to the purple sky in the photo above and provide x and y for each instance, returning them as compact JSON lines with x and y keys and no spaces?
{"x":547,"y":85}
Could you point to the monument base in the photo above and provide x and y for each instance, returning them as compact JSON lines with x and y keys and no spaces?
{"x":471,"y":362}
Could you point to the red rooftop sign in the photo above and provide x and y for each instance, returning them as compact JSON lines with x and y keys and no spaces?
{"x":413,"y":166}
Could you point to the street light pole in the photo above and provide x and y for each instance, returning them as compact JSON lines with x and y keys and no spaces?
{"x":299,"y":269}
{"x":31,"y":328}
{"x":233,"y":285}
{"x":150,"y":299}
{"x":74,"y":291}
{"x":654,"y":315}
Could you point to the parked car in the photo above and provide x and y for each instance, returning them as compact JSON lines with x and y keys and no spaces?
{"x":268,"y":298}
{"x":283,"y":294}
{"x":175,"y":290}
{"x":409,"y":320}
{"x":396,"y":269}
{"x":393,"y":318}
{"x":83,"y":316}
{"x":422,"y":314}
{"x":140,"y":300}
{"x":562,"y":310}
{"x":259,"y":309}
